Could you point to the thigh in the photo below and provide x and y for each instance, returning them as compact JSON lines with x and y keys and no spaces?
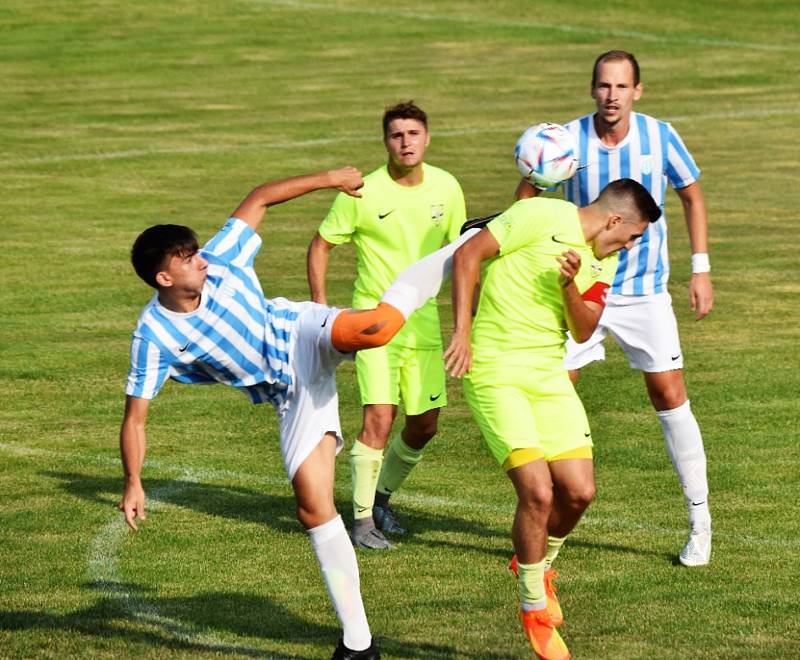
{"x":312,"y":407}
{"x":559,"y":414}
{"x":504,"y":416}
{"x":313,"y":484}
{"x":422,"y":380}
{"x":378,"y":375}
{"x":647,"y":331}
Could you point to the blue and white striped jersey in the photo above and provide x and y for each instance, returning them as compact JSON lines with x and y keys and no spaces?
{"x":236,"y":336}
{"x":652,"y":153}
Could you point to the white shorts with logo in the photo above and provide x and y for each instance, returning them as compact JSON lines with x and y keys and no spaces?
{"x":311,"y":408}
{"x":643,"y":326}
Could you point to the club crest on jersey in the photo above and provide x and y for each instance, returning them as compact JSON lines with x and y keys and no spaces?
{"x":596,"y":270}
{"x":646,"y":163}
{"x":437,"y":214}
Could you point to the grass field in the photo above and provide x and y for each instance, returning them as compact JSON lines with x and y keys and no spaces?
{"x":117,"y":115}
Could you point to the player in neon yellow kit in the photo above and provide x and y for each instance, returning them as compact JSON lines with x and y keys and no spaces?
{"x":551,"y":264}
{"x":407,"y":210}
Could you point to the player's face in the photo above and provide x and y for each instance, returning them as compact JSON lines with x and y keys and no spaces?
{"x":186,"y":273}
{"x":614,"y":91}
{"x":617,"y":235}
{"x":406,"y":140}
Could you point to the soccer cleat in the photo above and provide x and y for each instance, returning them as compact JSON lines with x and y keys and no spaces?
{"x":543,"y":636}
{"x":697,"y":551}
{"x":370,"y":539}
{"x":386,"y":520}
{"x":480,"y":223}
{"x":343,"y":653}
{"x":553,"y":606}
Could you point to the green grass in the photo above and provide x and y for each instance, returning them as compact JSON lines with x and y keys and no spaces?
{"x":117,"y":115}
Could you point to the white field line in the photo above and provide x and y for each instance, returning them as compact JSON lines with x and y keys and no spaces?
{"x":347,"y":138}
{"x":522,"y":24}
{"x":433,"y":503}
{"x":103,"y":568}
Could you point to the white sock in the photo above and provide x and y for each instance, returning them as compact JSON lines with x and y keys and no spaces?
{"x":421,"y":281}
{"x":685,"y":447}
{"x":337,"y":559}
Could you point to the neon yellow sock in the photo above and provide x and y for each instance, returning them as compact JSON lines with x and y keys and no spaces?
{"x":554,"y":544}
{"x":365,"y":466}
{"x":400,"y":459}
{"x":531,"y":584}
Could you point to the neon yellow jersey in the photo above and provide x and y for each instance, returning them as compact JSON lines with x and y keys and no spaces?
{"x":521,"y":312}
{"x":392,"y":227}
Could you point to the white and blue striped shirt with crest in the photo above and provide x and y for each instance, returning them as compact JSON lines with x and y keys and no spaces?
{"x":236,"y":336}
{"x":652,"y":153}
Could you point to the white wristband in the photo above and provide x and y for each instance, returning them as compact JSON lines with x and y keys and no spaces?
{"x":700,"y":263}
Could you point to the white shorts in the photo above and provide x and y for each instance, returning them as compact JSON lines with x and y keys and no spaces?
{"x":311,"y":408}
{"x":643,"y":326}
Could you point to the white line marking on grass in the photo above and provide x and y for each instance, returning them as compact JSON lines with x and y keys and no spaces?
{"x":425,"y":501}
{"x":347,"y":138}
{"x":520,"y":24}
{"x":103,"y":561}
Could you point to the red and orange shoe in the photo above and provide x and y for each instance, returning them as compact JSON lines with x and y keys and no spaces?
{"x":553,"y":606}
{"x":543,"y":636}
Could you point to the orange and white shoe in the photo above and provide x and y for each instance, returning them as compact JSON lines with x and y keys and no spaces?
{"x":543,"y":636}
{"x":553,"y":606}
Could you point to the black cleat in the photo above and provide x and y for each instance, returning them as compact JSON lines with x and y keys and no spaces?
{"x":478,"y":223}
{"x":369,"y":653}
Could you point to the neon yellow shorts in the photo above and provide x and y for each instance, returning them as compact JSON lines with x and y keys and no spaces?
{"x":387,"y":373}
{"x":528,"y":408}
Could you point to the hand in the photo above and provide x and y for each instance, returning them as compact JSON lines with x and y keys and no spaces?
{"x":701,"y":295}
{"x":570,"y":264}
{"x":348,"y":180}
{"x":458,"y":356}
{"x":132,"y":504}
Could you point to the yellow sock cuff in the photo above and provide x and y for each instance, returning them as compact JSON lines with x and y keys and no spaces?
{"x":554,"y":544}
{"x":365,"y":466}
{"x":531,"y":583}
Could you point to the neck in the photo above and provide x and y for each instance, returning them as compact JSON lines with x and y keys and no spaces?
{"x":179,"y":303}
{"x":411,"y":176}
{"x":592,"y":221}
{"x":611,"y":134}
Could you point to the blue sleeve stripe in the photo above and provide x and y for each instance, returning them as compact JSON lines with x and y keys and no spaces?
{"x":584,"y":173}
{"x":644,"y":149}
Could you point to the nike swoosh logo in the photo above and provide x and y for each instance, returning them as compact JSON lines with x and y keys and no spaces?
{"x":674,"y":357}
{"x":587,"y":435}
{"x":361,"y":509}
{"x":433,"y":398}
{"x":697,"y":503}
{"x":381,"y":216}
{"x":325,"y":322}
{"x":182,"y":349}
{"x":557,"y":241}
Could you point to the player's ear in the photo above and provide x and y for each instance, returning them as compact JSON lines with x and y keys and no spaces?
{"x":163,"y":279}
{"x":637,"y":91}
{"x":613,"y":220}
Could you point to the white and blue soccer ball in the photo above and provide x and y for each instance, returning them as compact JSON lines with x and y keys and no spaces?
{"x":546,"y":155}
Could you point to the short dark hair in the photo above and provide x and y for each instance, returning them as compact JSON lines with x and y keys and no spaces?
{"x":630,"y":196}
{"x":405,"y":110}
{"x":156,"y":244}
{"x":614,"y":55}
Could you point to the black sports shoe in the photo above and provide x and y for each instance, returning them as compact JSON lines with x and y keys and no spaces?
{"x":472,"y":223}
{"x":369,"y":653}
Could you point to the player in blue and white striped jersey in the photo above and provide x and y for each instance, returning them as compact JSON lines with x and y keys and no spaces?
{"x":616,"y":142}
{"x":209,"y":322}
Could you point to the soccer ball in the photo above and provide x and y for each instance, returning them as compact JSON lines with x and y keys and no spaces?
{"x":546,"y":155}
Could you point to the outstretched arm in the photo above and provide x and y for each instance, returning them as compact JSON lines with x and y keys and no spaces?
{"x":253,"y":207}
{"x":319,"y":252}
{"x":582,"y":315}
{"x":132,"y":447}
{"x":701,"y":293}
{"x":466,"y":271}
